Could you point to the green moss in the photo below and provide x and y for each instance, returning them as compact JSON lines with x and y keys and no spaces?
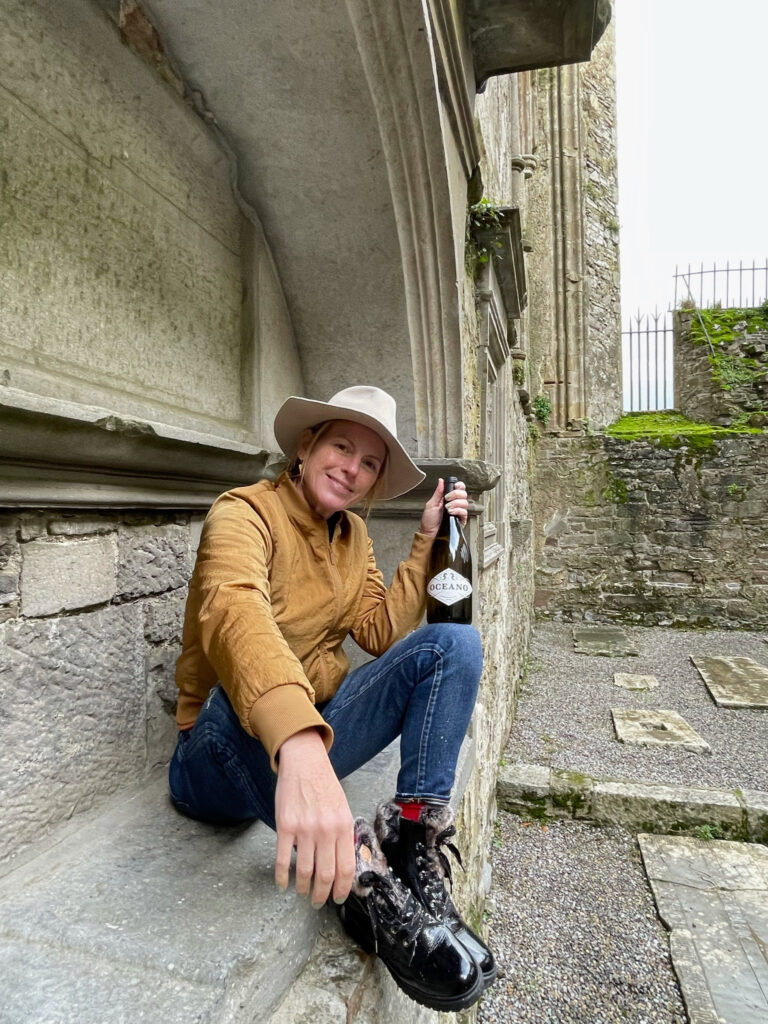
{"x":589,"y":499}
{"x":615,"y":490}
{"x":720,"y":323}
{"x":729,"y":370}
{"x":673,"y":430}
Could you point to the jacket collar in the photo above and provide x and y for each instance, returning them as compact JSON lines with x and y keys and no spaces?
{"x":300,"y":512}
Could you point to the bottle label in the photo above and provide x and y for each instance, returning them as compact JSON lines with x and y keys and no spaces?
{"x":448,"y":587}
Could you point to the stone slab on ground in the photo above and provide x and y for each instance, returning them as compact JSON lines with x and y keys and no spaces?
{"x":609,"y":641}
{"x":734,"y":682}
{"x":632,"y":681}
{"x":656,"y":728}
{"x":713,"y":896}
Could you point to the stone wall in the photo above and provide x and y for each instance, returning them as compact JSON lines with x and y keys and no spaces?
{"x":601,"y":232}
{"x":732,"y":383}
{"x":571,"y":229}
{"x":635,"y":532}
{"x":90,"y":622}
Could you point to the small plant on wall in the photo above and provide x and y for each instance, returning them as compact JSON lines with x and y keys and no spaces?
{"x":483,"y":218}
{"x":542,"y":409}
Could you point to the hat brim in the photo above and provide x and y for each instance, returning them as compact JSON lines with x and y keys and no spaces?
{"x":297,"y":414}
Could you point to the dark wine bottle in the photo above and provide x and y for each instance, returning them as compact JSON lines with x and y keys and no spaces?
{"x":449,"y":578}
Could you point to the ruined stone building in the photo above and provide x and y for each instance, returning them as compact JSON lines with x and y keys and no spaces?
{"x":205,"y":208}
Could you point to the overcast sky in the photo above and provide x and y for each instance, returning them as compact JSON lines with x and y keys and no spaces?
{"x":693,"y":139}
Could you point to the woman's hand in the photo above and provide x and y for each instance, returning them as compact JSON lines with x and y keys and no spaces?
{"x":458,"y":505}
{"x":312,"y":813}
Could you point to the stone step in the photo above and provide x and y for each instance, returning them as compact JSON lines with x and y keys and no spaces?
{"x":536,"y":791}
{"x":141,"y":914}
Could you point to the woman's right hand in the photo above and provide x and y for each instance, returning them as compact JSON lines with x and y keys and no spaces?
{"x":312,"y":814}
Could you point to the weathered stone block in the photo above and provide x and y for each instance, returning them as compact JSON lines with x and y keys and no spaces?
{"x":31,"y":525}
{"x":756,"y":804}
{"x":73,"y":723}
{"x":152,"y":559}
{"x":162,"y":694}
{"x":659,"y":808}
{"x":523,"y":789}
{"x":78,"y":525}
{"x":59,"y":576}
{"x":164,"y":616}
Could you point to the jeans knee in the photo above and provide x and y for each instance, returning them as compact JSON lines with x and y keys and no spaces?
{"x":460,"y":643}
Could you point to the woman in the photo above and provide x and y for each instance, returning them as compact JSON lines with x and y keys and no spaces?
{"x":270,"y":718}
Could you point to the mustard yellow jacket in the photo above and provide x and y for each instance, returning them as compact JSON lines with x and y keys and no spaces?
{"x":271,"y":601}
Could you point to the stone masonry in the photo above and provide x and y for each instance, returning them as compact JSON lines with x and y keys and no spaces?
{"x":601,"y":230}
{"x":90,"y":621}
{"x":698,"y":393}
{"x":636,"y":532}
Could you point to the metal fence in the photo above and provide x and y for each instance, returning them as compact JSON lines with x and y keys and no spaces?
{"x":647,"y":345}
{"x":732,"y":287}
{"x":647,"y":360}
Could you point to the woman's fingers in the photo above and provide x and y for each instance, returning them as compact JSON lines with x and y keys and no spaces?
{"x":325,"y":872}
{"x":305,"y":864}
{"x":285,"y":841}
{"x":345,"y":865}
{"x":457,"y":502}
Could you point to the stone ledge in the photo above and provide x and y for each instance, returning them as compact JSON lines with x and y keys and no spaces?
{"x":539,"y":792}
{"x":141,"y":912}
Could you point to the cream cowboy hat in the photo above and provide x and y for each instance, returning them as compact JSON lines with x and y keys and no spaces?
{"x":370,"y":406}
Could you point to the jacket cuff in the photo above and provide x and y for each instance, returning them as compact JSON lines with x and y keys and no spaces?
{"x":282,"y":712}
{"x":421,"y":549}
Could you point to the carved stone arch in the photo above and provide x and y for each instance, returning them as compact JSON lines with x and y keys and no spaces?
{"x":332,"y":113}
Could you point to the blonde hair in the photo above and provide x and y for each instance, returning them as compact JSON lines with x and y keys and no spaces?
{"x":296,"y":468}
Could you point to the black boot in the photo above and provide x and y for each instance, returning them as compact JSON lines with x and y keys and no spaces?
{"x":421,"y":954}
{"x":414,"y":852}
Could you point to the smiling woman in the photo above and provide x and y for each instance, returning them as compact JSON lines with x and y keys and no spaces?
{"x":339,"y":465}
{"x":271,"y":718}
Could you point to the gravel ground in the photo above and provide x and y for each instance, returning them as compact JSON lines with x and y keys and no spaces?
{"x":574,"y":928}
{"x":564,"y":713}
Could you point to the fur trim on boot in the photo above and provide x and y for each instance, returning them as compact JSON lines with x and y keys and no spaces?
{"x":368,"y":856}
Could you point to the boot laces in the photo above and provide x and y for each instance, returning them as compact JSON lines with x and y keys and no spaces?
{"x":392,"y":912}
{"x":433,"y":884}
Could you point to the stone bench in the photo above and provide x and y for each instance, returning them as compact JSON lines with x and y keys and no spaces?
{"x":140,"y":914}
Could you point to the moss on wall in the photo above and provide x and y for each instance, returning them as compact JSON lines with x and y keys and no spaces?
{"x":672,"y":430}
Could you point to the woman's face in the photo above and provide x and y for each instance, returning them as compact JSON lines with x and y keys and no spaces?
{"x":341,"y":468}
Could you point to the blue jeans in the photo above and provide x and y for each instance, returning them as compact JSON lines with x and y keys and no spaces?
{"x":422,"y":689}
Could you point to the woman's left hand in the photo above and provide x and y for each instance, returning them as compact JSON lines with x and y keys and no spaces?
{"x":458,"y":505}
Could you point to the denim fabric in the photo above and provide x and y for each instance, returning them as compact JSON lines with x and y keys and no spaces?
{"x":422,"y":689}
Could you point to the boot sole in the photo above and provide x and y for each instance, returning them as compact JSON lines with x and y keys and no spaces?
{"x":449,"y":1003}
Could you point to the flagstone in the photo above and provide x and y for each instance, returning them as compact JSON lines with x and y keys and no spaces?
{"x":713,"y":896}
{"x":610,"y":641}
{"x":645,"y":728}
{"x":630,"y":681}
{"x":734,"y":682}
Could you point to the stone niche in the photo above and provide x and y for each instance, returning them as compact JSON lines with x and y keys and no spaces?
{"x":134,"y":289}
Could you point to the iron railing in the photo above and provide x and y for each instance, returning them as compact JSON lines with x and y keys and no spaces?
{"x":732,"y":287}
{"x":647,"y":359}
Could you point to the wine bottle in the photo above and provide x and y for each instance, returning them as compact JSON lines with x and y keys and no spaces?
{"x":449,"y":578}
